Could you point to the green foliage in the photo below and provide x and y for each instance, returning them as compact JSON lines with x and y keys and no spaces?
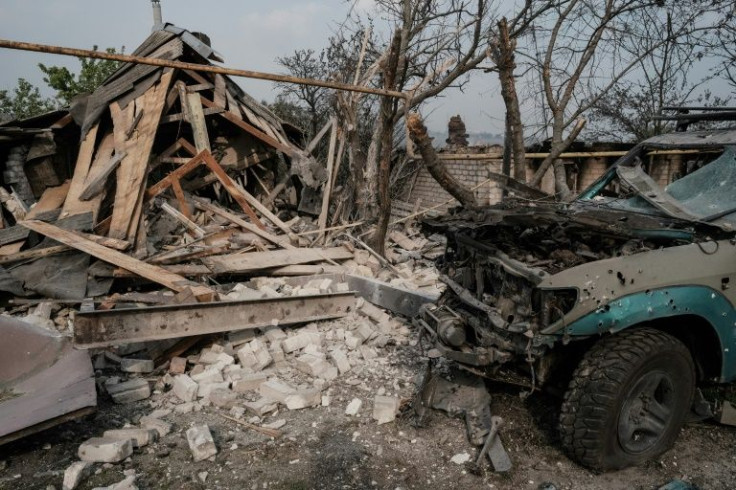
{"x":91,"y":75}
{"x":24,"y":101}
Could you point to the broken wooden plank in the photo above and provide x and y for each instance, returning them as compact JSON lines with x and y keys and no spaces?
{"x":95,"y":182}
{"x":327,"y":189}
{"x":307,"y":270}
{"x":277,"y":240}
{"x":133,"y":169}
{"x":188,"y":224}
{"x":198,"y":123}
{"x":252,"y":130}
{"x":34,"y":253}
{"x":81,"y":169}
{"x":148,"y":271}
{"x":199,"y":87}
{"x":177,"y":174}
{"x":255,"y":261}
{"x":188,"y":270}
{"x":103,"y":328}
{"x":220,"y":98}
{"x":232,"y":188}
{"x":181,"y":117}
{"x":181,"y":199}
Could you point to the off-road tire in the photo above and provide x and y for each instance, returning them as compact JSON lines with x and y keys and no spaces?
{"x":607,"y":380}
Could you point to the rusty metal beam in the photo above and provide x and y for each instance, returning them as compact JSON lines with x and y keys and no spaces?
{"x":113,"y":327}
{"x":126,"y":58}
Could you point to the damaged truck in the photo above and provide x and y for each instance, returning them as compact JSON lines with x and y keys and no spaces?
{"x":624,"y":294}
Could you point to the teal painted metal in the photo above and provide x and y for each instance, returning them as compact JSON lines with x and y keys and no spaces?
{"x":637,"y":308}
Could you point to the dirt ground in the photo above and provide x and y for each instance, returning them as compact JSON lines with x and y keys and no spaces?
{"x":324,"y":448}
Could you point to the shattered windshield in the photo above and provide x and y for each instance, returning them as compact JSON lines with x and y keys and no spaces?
{"x":707,"y":191}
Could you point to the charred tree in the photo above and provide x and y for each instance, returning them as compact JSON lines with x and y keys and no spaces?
{"x":419,"y":136}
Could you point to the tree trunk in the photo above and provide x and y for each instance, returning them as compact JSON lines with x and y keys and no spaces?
{"x":502,"y":51}
{"x":387,"y":119}
{"x":418,"y":134}
{"x":562,"y":190}
{"x":558,"y":146}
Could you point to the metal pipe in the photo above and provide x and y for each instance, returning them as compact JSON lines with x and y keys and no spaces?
{"x":125,"y":58}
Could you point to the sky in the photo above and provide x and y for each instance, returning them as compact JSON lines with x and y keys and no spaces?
{"x":248,"y":34}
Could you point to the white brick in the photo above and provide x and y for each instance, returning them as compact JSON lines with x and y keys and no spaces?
{"x":206,"y":388}
{"x":276,"y":390}
{"x":311,"y":397}
{"x":209,"y":375}
{"x":249,"y":382}
{"x":74,"y":474}
{"x":185,"y":388}
{"x":255,"y":355}
{"x":312,"y":364}
{"x":354,"y":407}
{"x":301,"y":340}
{"x":129,"y":391}
{"x":105,"y":450}
{"x":385,"y":408}
{"x":341,"y":360}
{"x":261,"y":407}
{"x":201,"y":443}
{"x":223,"y":397}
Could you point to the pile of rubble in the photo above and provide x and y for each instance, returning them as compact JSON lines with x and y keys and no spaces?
{"x":247,"y":377}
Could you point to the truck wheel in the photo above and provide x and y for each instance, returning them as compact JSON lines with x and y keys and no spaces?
{"x":628,"y":399}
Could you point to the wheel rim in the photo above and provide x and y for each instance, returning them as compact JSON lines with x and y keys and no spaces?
{"x":647,"y":411}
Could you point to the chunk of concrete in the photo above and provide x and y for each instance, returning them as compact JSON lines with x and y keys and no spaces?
{"x":261,"y":407}
{"x":136,"y":365}
{"x":385,"y":408}
{"x":223,"y":397}
{"x":105,"y":450}
{"x":276,"y":390}
{"x":129,"y":391}
{"x":205,"y":389}
{"x":209,"y":375}
{"x":140,"y":437}
{"x":185,"y":388}
{"x":249,"y":382}
{"x":201,"y":443}
{"x":311,"y":397}
{"x":354,"y":407}
{"x":75,"y":473}
{"x":353,"y":341}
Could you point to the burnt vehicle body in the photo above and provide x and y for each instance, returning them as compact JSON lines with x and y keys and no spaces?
{"x":628,"y":288}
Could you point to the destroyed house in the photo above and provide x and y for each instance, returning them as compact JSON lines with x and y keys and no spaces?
{"x":150,"y":161}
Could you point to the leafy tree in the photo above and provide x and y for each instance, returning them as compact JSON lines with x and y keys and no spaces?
{"x":91,"y":75}
{"x":24,"y":101}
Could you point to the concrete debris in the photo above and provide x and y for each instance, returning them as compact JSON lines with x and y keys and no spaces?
{"x":249,"y":382}
{"x":303,"y":399}
{"x":223,"y":397}
{"x":201,"y":443}
{"x":105,"y":450}
{"x":354,"y":407}
{"x":385,"y":408}
{"x":261,"y":407}
{"x":75,"y":473}
{"x":460,"y":458}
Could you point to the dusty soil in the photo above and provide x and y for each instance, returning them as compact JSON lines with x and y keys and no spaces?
{"x":323,"y":448}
